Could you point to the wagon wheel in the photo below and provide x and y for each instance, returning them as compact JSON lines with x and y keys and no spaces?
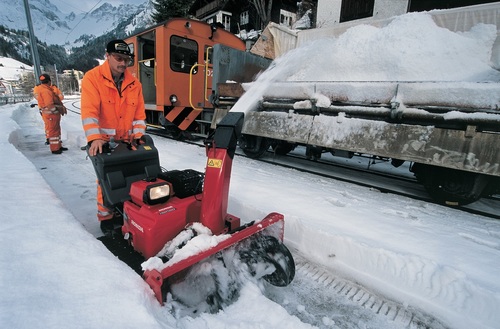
{"x":253,"y":146}
{"x":282,"y":147}
{"x":449,"y":186}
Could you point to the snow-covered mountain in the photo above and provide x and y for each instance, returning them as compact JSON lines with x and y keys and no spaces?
{"x":53,"y":26}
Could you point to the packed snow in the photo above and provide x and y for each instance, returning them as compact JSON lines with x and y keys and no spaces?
{"x":434,"y":259}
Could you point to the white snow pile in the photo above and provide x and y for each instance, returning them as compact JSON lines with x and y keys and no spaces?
{"x":194,"y":240}
{"x":412,"y":48}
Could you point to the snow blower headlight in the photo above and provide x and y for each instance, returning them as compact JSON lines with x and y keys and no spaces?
{"x":157,"y":193}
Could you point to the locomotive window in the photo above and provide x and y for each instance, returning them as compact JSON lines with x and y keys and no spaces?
{"x":131,"y":47}
{"x":148,"y":54}
{"x":148,"y":50}
{"x":183,"y":54}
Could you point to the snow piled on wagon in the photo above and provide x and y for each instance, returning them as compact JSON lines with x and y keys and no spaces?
{"x":370,"y":64}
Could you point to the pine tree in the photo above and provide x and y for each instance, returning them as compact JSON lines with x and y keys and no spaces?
{"x":166,"y":9}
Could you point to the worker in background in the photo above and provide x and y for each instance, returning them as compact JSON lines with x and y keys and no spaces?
{"x":51,"y":109}
{"x":59,"y":95}
{"x":112,"y":108}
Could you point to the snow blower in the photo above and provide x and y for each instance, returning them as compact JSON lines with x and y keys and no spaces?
{"x":176,"y":219}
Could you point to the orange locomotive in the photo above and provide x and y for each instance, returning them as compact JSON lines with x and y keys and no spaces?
{"x":173,"y":62}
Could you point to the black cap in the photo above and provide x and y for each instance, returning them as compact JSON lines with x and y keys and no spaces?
{"x":44,"y":78}
{"x":118,"y":46}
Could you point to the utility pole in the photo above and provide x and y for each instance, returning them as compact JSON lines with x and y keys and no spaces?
{"x":57,"y":78}
{"x":34,"y":49}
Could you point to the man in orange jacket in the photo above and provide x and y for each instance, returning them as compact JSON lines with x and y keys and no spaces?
{"x":112,"y":107}
{"x":51,"y":109}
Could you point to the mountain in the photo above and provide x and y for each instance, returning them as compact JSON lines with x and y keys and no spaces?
{"x":69,"y":28}
{"x":68,"y":39}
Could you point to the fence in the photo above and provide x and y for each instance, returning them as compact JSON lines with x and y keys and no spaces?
{"x":12,"y":99}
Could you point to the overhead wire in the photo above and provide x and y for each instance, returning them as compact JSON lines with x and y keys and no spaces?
{"x":81,"y":19}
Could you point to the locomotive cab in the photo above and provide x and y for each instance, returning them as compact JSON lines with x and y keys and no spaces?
{"x":173,"y":63}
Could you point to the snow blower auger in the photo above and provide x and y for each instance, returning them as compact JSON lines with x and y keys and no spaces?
{"x":176,"y":219}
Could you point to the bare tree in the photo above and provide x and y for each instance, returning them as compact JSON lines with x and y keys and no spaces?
{"x":263,"y":8}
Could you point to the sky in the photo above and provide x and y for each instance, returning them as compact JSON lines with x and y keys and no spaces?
{"x":435,"y":263}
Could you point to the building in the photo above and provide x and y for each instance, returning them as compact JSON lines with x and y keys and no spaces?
{"x":13,"y":74}
{"x":237,"y":16}
{"x":71,"y":81}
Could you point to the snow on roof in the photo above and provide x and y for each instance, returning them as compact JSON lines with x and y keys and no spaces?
{"x":11,"y":69}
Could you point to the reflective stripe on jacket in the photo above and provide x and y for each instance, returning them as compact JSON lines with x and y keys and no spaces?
{"x":108,"y":113}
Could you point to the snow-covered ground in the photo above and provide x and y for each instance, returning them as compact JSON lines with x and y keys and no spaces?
{"x":55,"y":274}
{"x":12,"y":69}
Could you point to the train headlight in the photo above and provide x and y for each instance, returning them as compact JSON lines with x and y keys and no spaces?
{"x":173,"y":99}
{"x":157,"y":193}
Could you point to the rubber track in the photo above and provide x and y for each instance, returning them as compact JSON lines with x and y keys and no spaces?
{"x":120,"y":247}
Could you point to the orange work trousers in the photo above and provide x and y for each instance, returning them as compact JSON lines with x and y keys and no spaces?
{"x":52,"y":129}
{"x":103,"y":212}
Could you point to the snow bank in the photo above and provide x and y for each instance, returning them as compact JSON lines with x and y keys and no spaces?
{"x":54,"y":273}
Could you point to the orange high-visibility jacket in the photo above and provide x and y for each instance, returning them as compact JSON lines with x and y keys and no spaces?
{"x":108,"y":113}
{"x":57,"y":92}
{"x":44,"y":96}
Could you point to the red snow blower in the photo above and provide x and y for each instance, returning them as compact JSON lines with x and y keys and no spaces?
{"x":176,"y":219}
